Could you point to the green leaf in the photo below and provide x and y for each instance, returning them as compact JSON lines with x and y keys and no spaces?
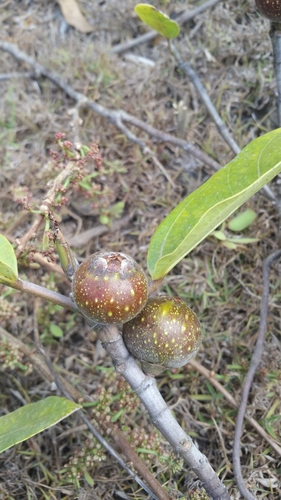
{"x":230,"y":245}
{"x":56,"y":330}
{"x":158,"y":21}
{"x":243,"y":241}
{"x":219,"y":235}
{"x":88,"y":478}
{"x":209,"y":205}
{"x":234,"y":243}
{"x":104,"y":219}
{"x":8,"y":262}
{"x":27,"y":421}
{"x":242,"y":221}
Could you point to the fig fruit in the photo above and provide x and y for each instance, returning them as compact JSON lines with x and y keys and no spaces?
{"x":109,"y":287}
{"x":270,"y":9}
{"x":166,"y":332}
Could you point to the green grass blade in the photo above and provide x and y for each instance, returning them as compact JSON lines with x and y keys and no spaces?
{"x":27,"y":421}
{"x":209,"y":205}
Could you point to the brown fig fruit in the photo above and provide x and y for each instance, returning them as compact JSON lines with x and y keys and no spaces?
{"x":109,"y":288}
{"x":166,"y":332}
{"x":270,"y":9}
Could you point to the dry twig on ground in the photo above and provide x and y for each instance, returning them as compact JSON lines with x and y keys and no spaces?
{"x":117,"y":117}
{"x":255,"y":361}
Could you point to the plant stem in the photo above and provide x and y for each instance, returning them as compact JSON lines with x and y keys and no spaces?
{"x":194,"y":78}
{"x":44,"y":293}
{"x":47,"y":371}
{"x":150,"y":35}
{"x":211,"y":377}
{"x":275,"y":34}
{"x":117,"y":117}
{"x":255,"y":361}
{"x":145,"y":387}
{"x":161,"y":416}
{"x":202,"y":92}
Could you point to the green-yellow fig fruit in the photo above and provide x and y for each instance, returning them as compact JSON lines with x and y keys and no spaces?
{"x":166,"y":332}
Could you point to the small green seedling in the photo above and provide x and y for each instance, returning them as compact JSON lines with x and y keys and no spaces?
{"x":158,"y":21}
{"x":236,"y":224}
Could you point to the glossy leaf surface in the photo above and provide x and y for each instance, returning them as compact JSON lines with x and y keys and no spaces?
{"x":209,"y":205}
{"x":32,"y":418}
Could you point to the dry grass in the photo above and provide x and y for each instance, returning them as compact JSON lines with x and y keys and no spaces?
{"x":230,"y":48}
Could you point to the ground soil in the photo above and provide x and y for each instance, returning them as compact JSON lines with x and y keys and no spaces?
{"x":230,"y":48}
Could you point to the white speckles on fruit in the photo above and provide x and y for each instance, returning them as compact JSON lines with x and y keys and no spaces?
{"x":166,"y":332}
{"x":270,"y":9}
{"x":109,"y":288}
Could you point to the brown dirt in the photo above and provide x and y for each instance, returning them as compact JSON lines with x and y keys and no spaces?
{"x":230,"y":48}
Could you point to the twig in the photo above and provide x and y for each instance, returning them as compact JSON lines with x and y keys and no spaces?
{"x":45,"y":206}
{"x":60,"y":385}
{"x":84,"y":237}
{"x":50,"y":266}
{"x":210,"y":376}
{"x":30,"y":234}
{"x":15,"y":75}
{"x":194,"y":78}
{"x":275,"y":34}
{"x":153,"y":285}
{"x":38,"y":257}
{"x":145,"y":387}
{"x":131,"y":455}
{"x":165,"y":137}
{"x":255,"y":361}
{"x":58,"y":298}
{"x":161,"y":416}
{"x":117,"y":117}
{"x":43,"y":293}
{"x":48,"y":372}
{"x":147,"y":37}
{"x":160,"y":166}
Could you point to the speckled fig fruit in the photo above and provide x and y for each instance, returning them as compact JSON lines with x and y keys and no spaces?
{"x":109,"y":288}
{"x":270,"y":9}
{"x":166,"y":332}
